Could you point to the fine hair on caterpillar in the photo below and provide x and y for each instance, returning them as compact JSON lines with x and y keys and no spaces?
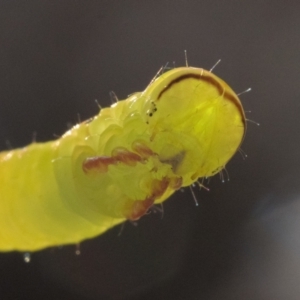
{"x":185,"y":126}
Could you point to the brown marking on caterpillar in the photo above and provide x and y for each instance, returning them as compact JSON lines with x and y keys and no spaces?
{"x":211,"y":80}
{"x":176,"y":183}
{"x":97,"y":163}
{"x":234,"y":100}
{"x":119,"y":155}
{"x":195,"y":76}
{"x":139,"y":208}
{"x":134,"y":211}
{"x":142,"y":149}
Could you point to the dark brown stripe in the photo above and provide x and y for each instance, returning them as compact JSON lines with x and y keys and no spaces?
{"x":211,"y":81}
{"x":234,"y":100}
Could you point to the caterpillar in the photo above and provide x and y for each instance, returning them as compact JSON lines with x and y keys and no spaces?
{"x":186,"y":125}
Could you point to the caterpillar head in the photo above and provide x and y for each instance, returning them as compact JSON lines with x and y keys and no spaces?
{"x":197,"y":121}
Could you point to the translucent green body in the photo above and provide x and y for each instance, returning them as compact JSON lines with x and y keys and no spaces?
{"x":187,"y":124}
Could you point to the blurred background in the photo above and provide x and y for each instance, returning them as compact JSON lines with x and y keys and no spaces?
{"x":242,"y":241}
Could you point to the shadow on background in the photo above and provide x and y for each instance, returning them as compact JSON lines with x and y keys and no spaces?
{"x":57,"y":57}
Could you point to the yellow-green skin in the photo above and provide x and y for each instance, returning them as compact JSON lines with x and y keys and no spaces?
{"x":190,"y":119}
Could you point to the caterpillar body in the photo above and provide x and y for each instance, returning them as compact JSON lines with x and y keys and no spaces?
{"x":185,"y":125}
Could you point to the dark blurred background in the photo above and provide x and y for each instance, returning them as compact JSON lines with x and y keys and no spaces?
{"x":242,"y":241}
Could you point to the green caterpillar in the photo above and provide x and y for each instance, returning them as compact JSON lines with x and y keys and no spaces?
{"x":187,"y":124}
